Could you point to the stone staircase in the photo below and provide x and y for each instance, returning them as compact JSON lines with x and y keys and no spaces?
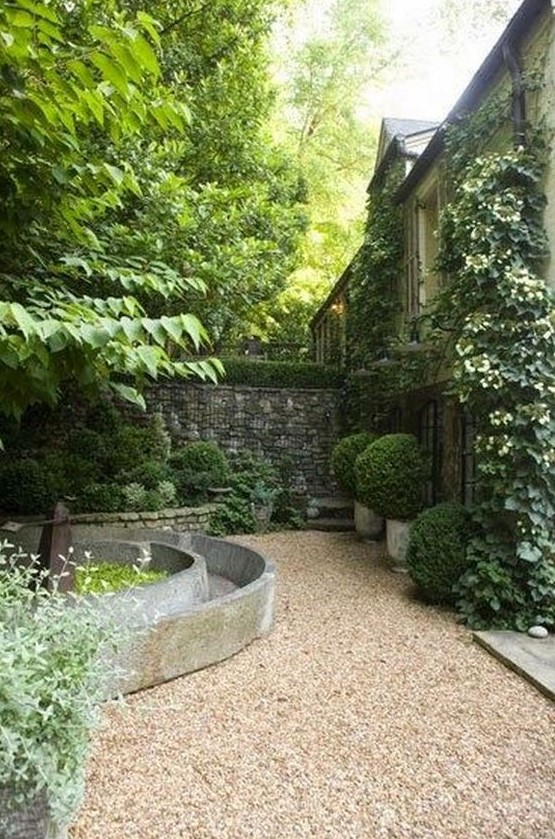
{"x":333,"y":514}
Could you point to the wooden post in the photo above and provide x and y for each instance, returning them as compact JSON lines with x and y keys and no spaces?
{"x":54,"y":550}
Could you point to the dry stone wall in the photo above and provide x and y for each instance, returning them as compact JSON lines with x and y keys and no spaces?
{"x":300,"y":425}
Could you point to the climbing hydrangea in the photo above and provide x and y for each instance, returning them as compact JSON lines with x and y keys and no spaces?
{"x":503,"y":317}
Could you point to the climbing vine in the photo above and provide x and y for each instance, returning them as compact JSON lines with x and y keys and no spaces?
{"x":374,"y":293}
{"x":502,"y":316}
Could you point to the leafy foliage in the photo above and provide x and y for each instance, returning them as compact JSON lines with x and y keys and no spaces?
{"x":52,"y":677}
{"x":280,"y":374}
{"x":374,"y":293}
{"x":101,"y":577}
{"x":436,"y":553}
{"x":251,"y":478}
{"x":79,"y":85}
{"x":503,"y":316}
{"x":390,"y":476}
{"x":344,"y":455}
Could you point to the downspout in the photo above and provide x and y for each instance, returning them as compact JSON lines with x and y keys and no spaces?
{"x":511,"y":59}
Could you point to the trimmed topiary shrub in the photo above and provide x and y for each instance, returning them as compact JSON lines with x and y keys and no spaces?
{"x":344,"y":455}
{"x":436,"y":554}
{"x":390,"y":475}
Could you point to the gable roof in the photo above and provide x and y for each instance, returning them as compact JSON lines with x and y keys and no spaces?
{"x":514,"y":33}
{"x":396,"y":138}
{"x":393,"y":129}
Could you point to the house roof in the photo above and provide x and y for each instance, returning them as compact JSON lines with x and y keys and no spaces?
{"x":515,"y":31}
{"x":402,"y":128}
{"x":394,"y":137}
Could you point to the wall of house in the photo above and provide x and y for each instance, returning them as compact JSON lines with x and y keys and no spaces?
{"x":541,"y":106}
{"x":294,"y":425}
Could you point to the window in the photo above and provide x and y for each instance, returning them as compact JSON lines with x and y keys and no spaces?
{"x":430,"y":426}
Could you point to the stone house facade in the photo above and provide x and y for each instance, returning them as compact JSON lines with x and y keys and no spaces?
{"x":525,"y":50}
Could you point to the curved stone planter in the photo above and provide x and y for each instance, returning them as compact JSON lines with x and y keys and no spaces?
{"x":398,"y":533}
{"x":367,"y":524}
{"x":219,"y":598}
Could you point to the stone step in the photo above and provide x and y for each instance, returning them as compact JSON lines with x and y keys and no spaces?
{"x":332,"y":502}
{"x":337,"y":525}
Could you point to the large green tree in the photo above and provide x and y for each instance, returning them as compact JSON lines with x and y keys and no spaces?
{"x":137,"y":189}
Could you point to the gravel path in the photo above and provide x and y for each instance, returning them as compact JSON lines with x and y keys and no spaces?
{"x":364,"y":715}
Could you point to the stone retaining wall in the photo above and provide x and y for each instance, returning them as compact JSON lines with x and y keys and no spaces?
{"x":183,"y":519}
{"x":301,"y":425}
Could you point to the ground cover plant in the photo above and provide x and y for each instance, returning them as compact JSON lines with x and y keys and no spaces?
{"x":104,"y":577}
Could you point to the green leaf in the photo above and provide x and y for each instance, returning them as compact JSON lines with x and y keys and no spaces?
{"x":111,"y":72}
{"x":130,"y":394}
{"x":146,"y":55}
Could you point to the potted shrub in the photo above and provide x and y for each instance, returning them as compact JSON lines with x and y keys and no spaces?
{"x":52,"y":678}
{"x":390,"y":476}
{"x":263,"y":498}
{"x":343,"y":457}
{"x":436,"y":553}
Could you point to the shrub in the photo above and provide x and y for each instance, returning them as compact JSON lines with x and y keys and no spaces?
{"x":128,"y":449}
{"x":167,"y":494}
{"x":436,"y":554}
{"x":27,"y":486}
{"x":235,"y":516}
{"x":157,"y":441}
{"x":104,"y":418}
{"x":201,"y":456}
{"x":390,"y":475}
{"x":100,"y":498}
{"x":198,"y":466}
{"x":149,"y":474}
{"x":134,"y":497}
{"x":344,"y":455}
{"x":88,"y":444}
{"x":242,"y":371}
{"x":52,"y":674}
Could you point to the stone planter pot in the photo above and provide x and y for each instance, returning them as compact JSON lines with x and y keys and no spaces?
{"x":29,"y":822}
{"x":397,"y":542}
{"x":368,"y":525}
{"x":262,"y":514}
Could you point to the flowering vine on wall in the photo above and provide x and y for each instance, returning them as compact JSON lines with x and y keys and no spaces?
{"x":503,"y":317}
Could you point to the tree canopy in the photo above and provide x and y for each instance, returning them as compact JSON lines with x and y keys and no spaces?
{"x":139,"y":189}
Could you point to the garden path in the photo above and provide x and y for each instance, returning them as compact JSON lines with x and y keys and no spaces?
{"x":364,"y":715}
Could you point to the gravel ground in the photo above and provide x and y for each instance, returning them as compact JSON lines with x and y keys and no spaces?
{"x":364,"y":715}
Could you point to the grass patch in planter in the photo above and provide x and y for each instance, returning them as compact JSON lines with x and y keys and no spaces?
{"x":103,"y":577}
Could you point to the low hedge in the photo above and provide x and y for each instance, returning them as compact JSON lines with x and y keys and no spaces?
{"x":253,"y":373}
{"x":436,"y":554}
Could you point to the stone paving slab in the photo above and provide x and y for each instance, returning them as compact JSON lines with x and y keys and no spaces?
{"x":533,"y":658}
